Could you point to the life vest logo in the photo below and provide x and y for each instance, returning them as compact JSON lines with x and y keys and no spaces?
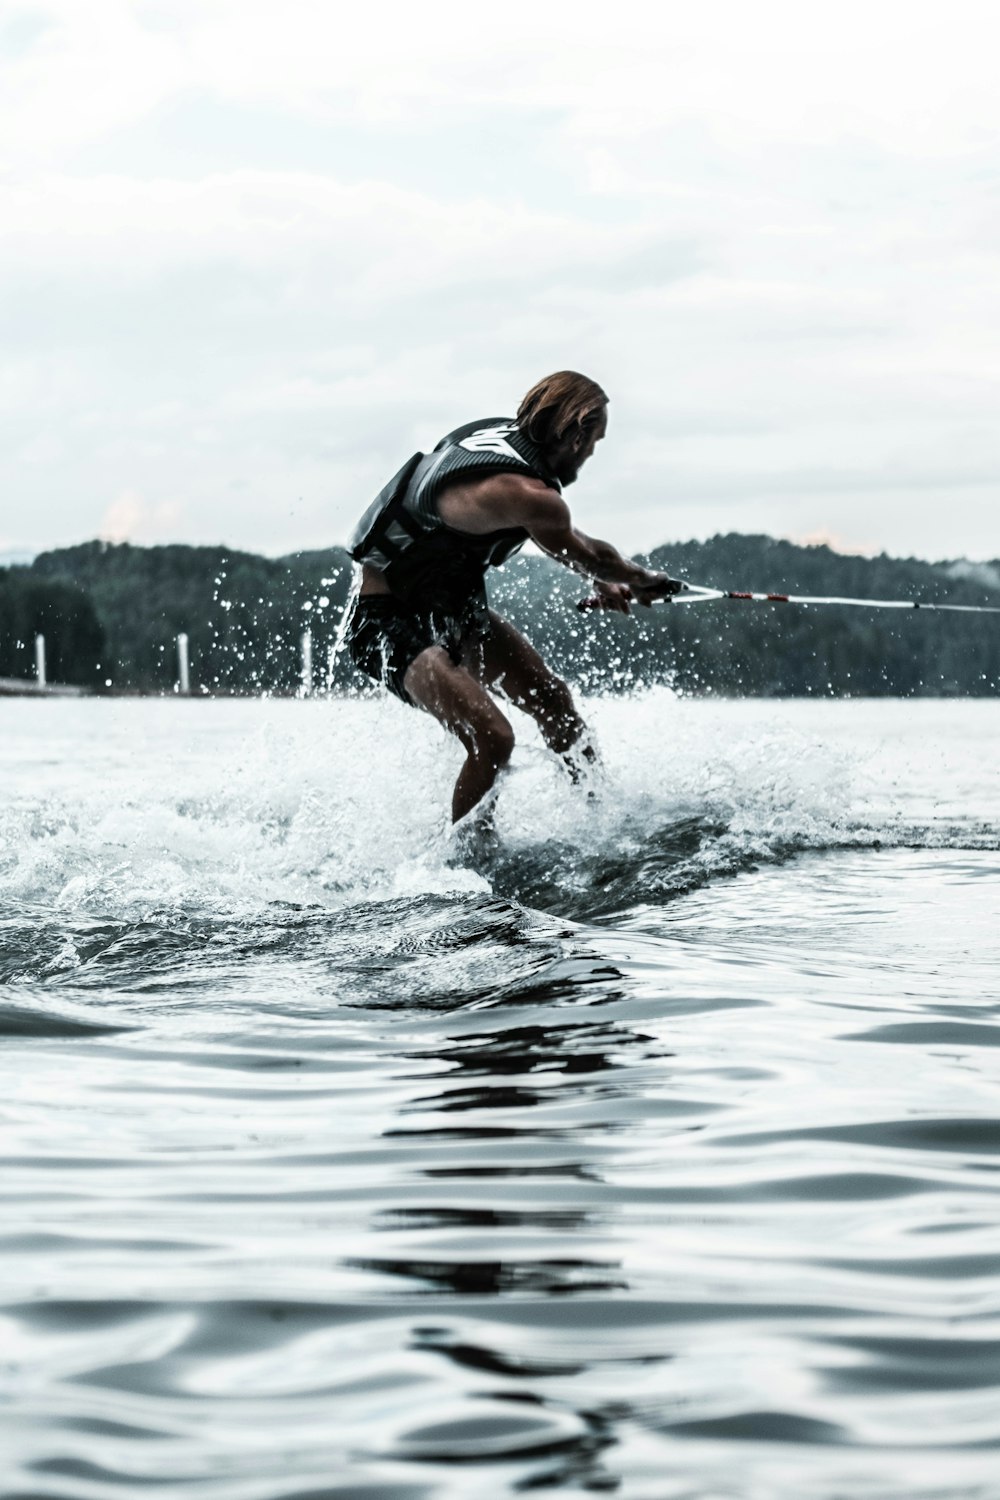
{"x":491,"y":440}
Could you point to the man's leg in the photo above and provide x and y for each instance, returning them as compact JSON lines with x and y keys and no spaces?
{"x":511,"y":664}
{"x":463,"y":706}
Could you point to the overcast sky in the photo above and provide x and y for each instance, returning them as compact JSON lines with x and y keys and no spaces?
{"x":253,"y":254}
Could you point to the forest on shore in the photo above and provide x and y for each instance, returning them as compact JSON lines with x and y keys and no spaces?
{"x":111,"y":614}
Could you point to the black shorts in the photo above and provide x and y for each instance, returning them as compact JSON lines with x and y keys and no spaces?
{"x":385,"y":636}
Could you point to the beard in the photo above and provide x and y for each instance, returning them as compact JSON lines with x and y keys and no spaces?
{"x":566,"y":468}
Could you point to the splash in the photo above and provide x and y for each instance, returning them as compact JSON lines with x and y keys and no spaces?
{"x":336,"y":651}
{"x":230,"y":806}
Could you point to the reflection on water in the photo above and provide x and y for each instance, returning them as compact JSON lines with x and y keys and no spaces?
{"x":667,"y":1172}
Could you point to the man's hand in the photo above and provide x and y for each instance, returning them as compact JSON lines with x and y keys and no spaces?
{"x":661,"y":585}
{"x":620,"y":596}
{"x":617,"y":597}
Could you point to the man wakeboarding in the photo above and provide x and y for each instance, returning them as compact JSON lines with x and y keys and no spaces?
{"x":422,"y":625}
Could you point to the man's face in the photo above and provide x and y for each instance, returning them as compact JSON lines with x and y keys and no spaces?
{"x":572,"y":453}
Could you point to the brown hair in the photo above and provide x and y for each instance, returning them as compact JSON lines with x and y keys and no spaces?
{"x":557,"y":404}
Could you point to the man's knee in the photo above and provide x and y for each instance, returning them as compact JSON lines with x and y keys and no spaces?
{"x":560,"y":700}
{"x":494,"y":742}
{"x":462,"y":706}
{"x":553,"y":706}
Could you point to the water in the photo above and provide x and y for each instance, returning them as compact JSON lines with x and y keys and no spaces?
{"x":658,"y":1157}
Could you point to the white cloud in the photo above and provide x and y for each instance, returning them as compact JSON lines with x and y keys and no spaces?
{"x":771,"y":232}
{"x":911,"y":76}
{"x":129,"y":518}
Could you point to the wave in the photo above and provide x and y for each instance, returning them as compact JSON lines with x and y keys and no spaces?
{"x":345,"y":804}
{"x":319,"y":838}
{"x":608,"y":1163}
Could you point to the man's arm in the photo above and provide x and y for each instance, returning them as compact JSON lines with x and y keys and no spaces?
{"x":502,"y":500}
{"x":546,"y":518}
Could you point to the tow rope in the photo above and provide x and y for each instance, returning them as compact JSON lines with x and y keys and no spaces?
{"x":693,"y":593}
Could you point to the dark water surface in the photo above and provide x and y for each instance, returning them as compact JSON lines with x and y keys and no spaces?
{"x":659,"y":1157}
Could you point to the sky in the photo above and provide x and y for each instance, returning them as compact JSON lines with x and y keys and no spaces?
{"x":253,"y":255}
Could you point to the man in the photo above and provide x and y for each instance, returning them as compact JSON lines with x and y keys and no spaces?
{"x":421,"y":624}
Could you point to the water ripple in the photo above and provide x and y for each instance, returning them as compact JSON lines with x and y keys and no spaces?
{"x":660,"y":1159}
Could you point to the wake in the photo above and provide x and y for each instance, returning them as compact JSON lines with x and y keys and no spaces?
{"x":232,"y":808}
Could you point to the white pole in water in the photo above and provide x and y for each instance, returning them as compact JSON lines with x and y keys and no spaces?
{"x":40,"y":660}
{"x":307,"y":663}
{"x":183,"y":666}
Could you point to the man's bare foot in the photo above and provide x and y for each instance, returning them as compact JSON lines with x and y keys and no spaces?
{"x":585,"y":767}
{"x":474,"y":839}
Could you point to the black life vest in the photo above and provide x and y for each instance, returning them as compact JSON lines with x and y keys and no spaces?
{"x":402,"y":535}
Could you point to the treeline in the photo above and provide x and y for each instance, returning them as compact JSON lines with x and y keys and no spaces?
{"x":117,"y":610}
{"x":243,"y":614}
{"x":61,"y":611}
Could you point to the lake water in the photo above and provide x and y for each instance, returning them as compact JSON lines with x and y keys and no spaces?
{"x":658,"y":1157}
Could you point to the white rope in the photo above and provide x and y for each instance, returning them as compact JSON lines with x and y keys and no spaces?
{"x":695,"y":594}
